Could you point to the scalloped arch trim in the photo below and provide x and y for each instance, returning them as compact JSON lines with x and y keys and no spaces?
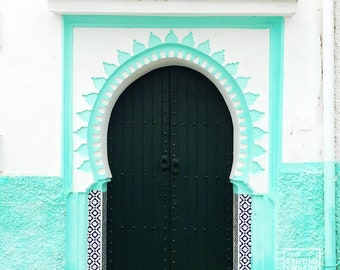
{"x":157,"y":54}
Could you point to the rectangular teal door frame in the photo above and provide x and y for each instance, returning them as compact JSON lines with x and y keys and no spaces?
{"x":263,"y":206}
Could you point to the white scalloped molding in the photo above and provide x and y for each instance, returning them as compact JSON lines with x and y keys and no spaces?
{"x":174,"y":7}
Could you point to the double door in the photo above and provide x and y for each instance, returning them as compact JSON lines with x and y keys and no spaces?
{"x":170,"y":203}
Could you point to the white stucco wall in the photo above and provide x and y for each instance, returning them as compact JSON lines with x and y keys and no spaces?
{"x":302,"y":95}
{"x":337,"y":79}
{"x":30,"y":88}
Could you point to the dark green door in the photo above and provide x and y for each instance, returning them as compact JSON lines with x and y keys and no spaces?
{"x":170,"y":145}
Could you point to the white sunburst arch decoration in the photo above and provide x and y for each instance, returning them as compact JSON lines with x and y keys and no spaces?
{"x":249,"y":145}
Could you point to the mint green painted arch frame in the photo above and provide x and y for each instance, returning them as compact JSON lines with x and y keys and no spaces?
{"x":164,"y":55}
{"x":263,"y":206}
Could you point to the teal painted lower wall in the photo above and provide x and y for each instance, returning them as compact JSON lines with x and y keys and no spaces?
{"x":337,"y":210}
{"x":32,"y":223}
{"x":300,"y":216}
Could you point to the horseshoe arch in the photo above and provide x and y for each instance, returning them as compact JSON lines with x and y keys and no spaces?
{"x":160,"y":54}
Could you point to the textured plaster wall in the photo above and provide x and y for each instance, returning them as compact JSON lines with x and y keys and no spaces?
{"x":337,"y":212}
{"x":299,"y":208}
{"x":32,"y":220}
{"x":32,"y":223}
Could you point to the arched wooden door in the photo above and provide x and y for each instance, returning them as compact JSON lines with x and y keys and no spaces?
{"x":170,"y":147}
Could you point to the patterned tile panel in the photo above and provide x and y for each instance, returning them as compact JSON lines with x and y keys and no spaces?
{"x":244,"y":232}
{"x":94,"y":231}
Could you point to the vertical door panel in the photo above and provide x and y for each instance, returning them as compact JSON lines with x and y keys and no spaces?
{"x":137,"y":195}
{"x":202,"y":233}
